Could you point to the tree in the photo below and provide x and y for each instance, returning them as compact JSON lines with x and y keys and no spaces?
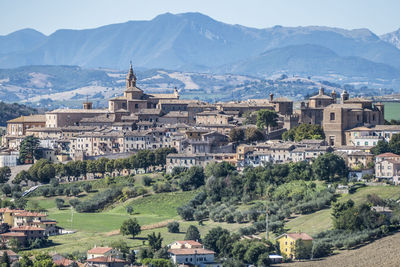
{"x":394,"y":144}
{"x":101,"y":165}
{"x":74,"y":202}
{"x":121,"y":245}
{"x":91,"y":166}
{"x":304,"y":131}
{"x":155,"y":241}
{"x":131,"y":257}
{"x":186,"y":212}
{"x":29,"y":149}
{"x":173,"y":227}
{"x":129,"y":209}
{"x":236,"y":135}
{"x":60,"y":203}
{"x":381,"y":147}
{"x":87,"y":188}
{"x":253,"y":134}
{"x":43,"y":260}
{"x":263,"y":260}
{"x":130,"y":227}
{"x":266,"y":118}
{"x":5,"y":260}
{"x":25,"y":261}
{"x":302,"y":251}
{"x":6,"y":189}
{"x":119,"y":165}
{"x":254,"y":252}
{"x":46,"y":173}
{"x":5,"y":174}
{"x":192,"y":179}
{"x":110,"y":167}
{"x":320,"y":249}
{"x":329,"y":167}
{"x":22,"y":176}
{"x":250,"y":117}
{"x":192,"y":233}
{"x":212,"y":237}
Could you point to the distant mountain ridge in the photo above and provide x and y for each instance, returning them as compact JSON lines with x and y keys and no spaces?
{"x":195,"y":42}
{"x":392,"y":38}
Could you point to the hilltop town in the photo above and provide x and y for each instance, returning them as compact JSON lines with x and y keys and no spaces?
{"x":256,"y":167}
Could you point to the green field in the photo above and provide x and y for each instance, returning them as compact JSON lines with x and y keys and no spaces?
{"x":392,"y":111}
{"x":321,"y":220}
{"x":99,"y":228}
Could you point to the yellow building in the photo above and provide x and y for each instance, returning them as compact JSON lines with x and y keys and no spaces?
{"x":287,"y":243}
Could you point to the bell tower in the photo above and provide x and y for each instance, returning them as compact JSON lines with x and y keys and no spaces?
{"x":130,"y":78}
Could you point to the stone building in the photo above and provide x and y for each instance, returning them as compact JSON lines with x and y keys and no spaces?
{"x":134,"y":99}
{"x":17,"y":129}
{"x":356,"y":112}
{"x":312,"y":112}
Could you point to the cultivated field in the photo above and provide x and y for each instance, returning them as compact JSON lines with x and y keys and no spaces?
{"x":392,"y":110}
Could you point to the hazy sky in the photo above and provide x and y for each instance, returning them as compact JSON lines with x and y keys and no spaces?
{"x":47,"y":16}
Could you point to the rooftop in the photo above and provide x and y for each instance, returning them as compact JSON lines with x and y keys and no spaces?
{"x":191,"y":251}
{"x":99,"y":250}
{"x":31,"y":118}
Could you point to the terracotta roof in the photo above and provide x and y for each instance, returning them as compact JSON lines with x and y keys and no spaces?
{"x":303,"y":236}
{"x":30,"y":214}
{"x":63,"y":262}
{"x":191,"y":251}
{"x":386,"y":155}
{"x":190,"y":242}
{"x":105,"y":259}
{"x":99,"y":250}
{"x":27,"y":228}
{"x":12,"y":234}
{"x":67,"y":110}
{"x":321,"y":97}
{"x":2,"y":210}
{"x":32,"y":118}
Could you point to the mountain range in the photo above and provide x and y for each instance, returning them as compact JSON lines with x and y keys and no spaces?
{"x":196,"y":42}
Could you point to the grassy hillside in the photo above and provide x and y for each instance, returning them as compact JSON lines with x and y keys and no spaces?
{"x":321,"y":220}
{"x":102,"y":228}
{"x":379,"y":253}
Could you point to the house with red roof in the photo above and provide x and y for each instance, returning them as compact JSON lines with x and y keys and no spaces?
{"x":287,"y":243}
{"x":191,"y":253}
{"x":106,"y":261}
{"x":387,"y":167}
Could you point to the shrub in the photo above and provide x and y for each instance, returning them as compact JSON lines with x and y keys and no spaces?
{"x":173,"y":227}
{"x":186,"y":212}
{"x":147,"y":181}
{"x":99,"y":200}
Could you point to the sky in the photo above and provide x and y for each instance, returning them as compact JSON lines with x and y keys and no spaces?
{"x":47,"y":16}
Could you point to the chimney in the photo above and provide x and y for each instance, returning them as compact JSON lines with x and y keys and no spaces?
{"x":87,"y":105}
{"x":271,"y":97}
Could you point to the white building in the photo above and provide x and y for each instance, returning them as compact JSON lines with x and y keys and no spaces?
{"x":9,"y":159}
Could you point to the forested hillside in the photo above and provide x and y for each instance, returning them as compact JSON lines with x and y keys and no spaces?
{"x":11,"y":111}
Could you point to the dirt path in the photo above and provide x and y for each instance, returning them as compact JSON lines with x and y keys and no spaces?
{"x":383,"y":252}
{"x":144,"y":227}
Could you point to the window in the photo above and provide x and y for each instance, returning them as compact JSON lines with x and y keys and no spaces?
{"x":332,"y":116}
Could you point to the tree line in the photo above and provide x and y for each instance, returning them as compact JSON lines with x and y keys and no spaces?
{"x":43,"y":170}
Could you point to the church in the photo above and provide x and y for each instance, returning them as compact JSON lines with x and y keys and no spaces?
{"x":134,"y":99}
